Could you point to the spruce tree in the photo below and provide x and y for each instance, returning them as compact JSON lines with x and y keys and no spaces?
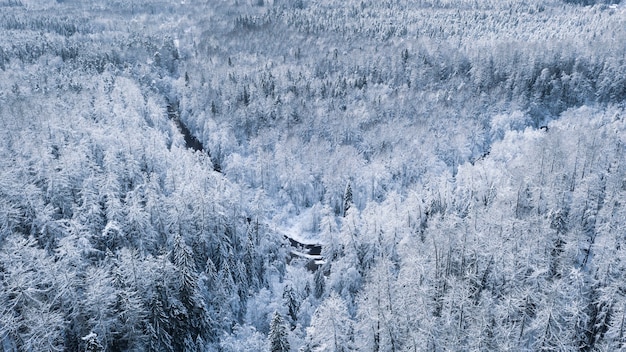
{"x":347,"y":199}
{"x":291,"y":301}
{"x":278,"y":335}
{"x":192,"y":320}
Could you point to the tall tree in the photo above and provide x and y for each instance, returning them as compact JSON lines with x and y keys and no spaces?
{"x":331,"y":328}
{"x":191,"y":315}
{"x":278,"y":338}
{"x":347,"y":199}
{"x":31,"y":295}
{"x":378,"y":310}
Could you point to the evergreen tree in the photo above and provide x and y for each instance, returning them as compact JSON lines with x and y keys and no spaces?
{"x":30,"y":319}
{"x":347,"y":199}
{"x":278,"y":335}
{"x":193,"y":308}
{"x":292,"y":303}
{"x":129,"y":308}
{"x":159,"y":337}
{"x":331,"y":327}
{"x":99,"y":304}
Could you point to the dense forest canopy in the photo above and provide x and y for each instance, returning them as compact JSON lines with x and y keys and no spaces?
{"x":461,"y":164}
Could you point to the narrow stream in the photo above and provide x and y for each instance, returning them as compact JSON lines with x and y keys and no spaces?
{"x":311,"y":251}
{"x":173,"y":112}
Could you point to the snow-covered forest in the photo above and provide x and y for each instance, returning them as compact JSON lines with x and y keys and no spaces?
{"x":169,"y":170}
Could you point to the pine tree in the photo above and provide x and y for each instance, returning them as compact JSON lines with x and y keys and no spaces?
{"x":129,"y":307}
{"x":331,"y":327}
{"x":347,"y":199}
{"x":196,"y":322}
{"x":159,"y":323}
{"x":278,"y":335}
{"x":30,"y":318}
{"x":292,"y":303}
{"x":99,"y":303}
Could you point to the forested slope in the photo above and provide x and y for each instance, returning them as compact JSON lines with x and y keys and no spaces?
{"x":461,"y":163}
{"x":114,"y":235}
